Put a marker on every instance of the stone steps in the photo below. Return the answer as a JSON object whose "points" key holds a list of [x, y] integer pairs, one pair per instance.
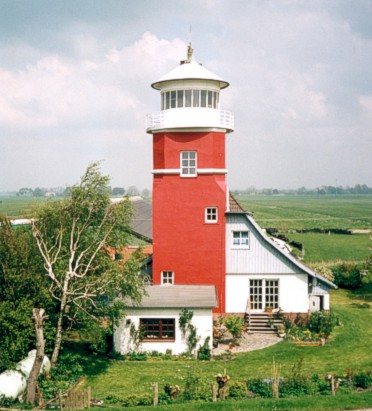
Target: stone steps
{"points": [[262, 323]]}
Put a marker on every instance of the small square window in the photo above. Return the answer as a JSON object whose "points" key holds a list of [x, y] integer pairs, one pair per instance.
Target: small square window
{"points": [[211, 215], [167, 277], [240, 239]]}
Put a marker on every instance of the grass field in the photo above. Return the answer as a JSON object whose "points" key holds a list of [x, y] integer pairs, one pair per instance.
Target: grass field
{"points": [[19, 207], [285, 213], [333, 247], [306, 212], [350, 348]]}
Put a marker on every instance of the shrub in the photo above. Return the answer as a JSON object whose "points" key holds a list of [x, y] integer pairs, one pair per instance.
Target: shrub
{"points": [[322, 322], [260, 387], [363, 380], [234, 324], [238, 390], [347, 275], [137, 356], [204, 352]]}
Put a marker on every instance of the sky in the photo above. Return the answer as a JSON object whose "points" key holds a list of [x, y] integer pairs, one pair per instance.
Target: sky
{"points": [[75, 87]]}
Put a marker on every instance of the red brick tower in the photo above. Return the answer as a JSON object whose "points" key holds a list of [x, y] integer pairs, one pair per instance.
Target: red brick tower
{"points": [[189, 184]]}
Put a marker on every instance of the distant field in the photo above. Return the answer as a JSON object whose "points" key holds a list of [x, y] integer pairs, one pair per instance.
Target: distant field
{"points": [[286, 213], [304, 212], [290, 213], [19, 207]]}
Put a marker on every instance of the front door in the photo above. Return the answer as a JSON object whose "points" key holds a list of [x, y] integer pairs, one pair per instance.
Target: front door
{"points": [[263, 294]]}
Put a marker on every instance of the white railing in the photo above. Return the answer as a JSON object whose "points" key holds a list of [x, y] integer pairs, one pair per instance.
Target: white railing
{"points": [[190, 118]]}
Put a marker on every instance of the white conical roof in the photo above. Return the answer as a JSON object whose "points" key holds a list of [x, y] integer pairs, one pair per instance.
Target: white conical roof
{"points": [[189, 70]]}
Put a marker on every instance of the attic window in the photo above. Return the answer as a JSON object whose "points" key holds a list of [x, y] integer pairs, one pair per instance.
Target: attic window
{"points": [[240, 239]]}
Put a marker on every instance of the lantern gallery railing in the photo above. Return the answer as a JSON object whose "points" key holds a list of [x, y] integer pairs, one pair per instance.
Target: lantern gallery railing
{"points": [[190, 118]]}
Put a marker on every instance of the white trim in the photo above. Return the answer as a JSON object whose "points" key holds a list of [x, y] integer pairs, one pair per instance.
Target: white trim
{"points": [[198, 171], [166, 171], [212, 171]]}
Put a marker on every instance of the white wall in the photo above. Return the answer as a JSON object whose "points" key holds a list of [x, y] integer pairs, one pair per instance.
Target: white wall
{"points": [[202, 320], [293, 291]]}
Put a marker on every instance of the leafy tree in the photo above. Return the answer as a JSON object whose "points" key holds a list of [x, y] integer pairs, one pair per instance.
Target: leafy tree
{"points": [[133, 191], [74, 237], [22, 287], [118, 191]]}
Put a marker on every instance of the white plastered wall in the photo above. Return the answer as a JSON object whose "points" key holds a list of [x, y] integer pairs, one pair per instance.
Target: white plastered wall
{"points": [[293, 291], [202, 320]]}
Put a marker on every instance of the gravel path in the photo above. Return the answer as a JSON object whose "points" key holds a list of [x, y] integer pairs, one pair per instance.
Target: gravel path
{"points": [[248, 342]]}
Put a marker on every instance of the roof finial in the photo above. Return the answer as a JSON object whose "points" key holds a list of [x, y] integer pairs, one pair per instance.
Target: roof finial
{"points": [[190, 51]]}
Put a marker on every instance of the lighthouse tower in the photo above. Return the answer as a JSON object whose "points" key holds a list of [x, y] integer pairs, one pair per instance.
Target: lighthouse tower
{"points": [[189, 178]]}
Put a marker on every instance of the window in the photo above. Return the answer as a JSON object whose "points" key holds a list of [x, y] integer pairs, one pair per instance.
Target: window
{"points": [[188, 163], [167, 277], [241, 239], [159, 329], [189, 98], [211, 215]]}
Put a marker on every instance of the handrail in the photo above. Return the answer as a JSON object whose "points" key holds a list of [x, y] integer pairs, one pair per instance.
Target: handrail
{"points": [[248, 312]]}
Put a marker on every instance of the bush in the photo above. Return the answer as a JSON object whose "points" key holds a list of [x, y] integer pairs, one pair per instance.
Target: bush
{"points": [[238, 390], [363, 380], [347, 275], [234, 324], [204, 352], [322, 322], [262, 388]]}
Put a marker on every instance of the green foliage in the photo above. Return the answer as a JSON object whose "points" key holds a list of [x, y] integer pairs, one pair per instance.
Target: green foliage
{"points": [[237, 390], [260, 387], [234, 324], [204, 352], [347, 275], [323, 323], [74, 237], [363, 380], [188, 330], [63, 375], [22, 288]]}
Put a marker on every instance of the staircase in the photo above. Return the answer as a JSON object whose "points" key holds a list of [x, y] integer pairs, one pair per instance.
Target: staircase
{"points": [[262, 323]]}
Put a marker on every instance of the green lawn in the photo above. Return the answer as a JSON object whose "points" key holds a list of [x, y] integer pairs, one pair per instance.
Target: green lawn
{"points": [[321, 403], [324, 247], [350, 348]]}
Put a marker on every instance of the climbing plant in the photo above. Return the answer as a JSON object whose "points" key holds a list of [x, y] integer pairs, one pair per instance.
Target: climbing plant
{"points": [[188, 330]]}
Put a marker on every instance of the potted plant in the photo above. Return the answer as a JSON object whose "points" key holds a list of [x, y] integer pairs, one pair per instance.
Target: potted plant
{"points": [[281, 331], [268, 309]]}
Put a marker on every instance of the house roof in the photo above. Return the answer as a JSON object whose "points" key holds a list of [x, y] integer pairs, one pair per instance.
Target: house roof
{"points": [[235, 207], [142, 218], [287, 256], [178, 296]]}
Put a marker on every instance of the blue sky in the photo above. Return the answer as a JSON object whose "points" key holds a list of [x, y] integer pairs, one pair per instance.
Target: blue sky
{"points": [[75, 87]]}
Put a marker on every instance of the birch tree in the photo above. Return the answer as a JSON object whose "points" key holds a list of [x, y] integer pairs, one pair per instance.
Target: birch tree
{"points": [[73, 237]]}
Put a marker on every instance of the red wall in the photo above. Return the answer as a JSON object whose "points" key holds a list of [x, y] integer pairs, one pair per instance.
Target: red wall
{"points": [[182, 241]]}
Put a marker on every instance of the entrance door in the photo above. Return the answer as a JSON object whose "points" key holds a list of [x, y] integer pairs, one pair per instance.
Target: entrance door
{"points": [[263, 293]]}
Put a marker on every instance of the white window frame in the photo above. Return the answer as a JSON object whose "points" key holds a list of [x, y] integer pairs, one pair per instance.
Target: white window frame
{"points": [[240, 242], [211, 215], [167, 278], [187, 168]]}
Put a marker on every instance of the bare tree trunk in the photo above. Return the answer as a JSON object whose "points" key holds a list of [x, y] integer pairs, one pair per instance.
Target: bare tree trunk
{"points": [[58, 340], [39, 317]]}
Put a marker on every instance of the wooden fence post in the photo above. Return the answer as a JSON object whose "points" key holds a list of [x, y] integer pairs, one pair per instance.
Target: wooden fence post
{"points": [[156, 393], [214, 393]]}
